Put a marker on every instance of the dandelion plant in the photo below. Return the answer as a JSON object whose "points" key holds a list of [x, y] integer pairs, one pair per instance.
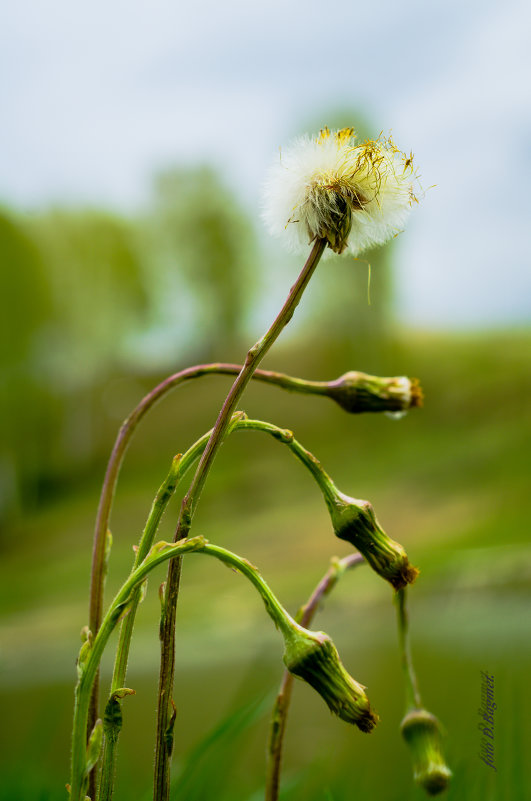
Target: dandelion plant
{"points": [[328, 194]]}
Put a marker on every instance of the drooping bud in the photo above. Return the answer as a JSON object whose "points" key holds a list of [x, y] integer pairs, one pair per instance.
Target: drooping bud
{"points": [[354, 521], [308, 654], [359, 392], [313, 657], [422, 733]]}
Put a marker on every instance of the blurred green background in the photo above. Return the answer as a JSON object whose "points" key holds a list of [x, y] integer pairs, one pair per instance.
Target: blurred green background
{"points": [[97, 308]]}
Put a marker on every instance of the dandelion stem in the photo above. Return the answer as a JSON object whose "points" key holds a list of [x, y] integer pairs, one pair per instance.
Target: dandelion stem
{"points": [[281, 706], [164, 737], [180, 465], [92, 651], [308, 459], [105, 789], [413, 699], [88, 668], [361, 394], [121, 444]]}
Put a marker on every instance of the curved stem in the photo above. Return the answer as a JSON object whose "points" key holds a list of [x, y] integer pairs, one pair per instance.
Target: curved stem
{"points": [[167, 664], [281, 706], [253, 359], [413, 699], [91, 653], [285, 436], [112, 728], [88, 668], [121, 444], [355, 392], [307, 612], [181, 464], [125, 435]]}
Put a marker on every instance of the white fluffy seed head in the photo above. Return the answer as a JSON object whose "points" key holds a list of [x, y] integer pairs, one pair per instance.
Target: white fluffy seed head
{"points": [[354, 195]]}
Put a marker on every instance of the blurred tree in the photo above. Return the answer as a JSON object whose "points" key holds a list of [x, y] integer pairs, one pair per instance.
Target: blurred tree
{"points": [[75, 293], [95, 277], [208, 240], [28, 414], [92, 296]]}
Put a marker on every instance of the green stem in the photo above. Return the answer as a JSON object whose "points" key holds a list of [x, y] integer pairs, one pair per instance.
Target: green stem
{"points": [[91, 654], [281, 706], [355, 392], [121, 444], [167, 662], [285, 436], [180, 465], [413, 699], [253, 359], [89, 667], [112, 728], [108, 764], [280, 617]]}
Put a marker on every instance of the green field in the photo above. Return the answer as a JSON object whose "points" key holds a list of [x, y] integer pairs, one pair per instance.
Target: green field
{"points": [[450, 482]]}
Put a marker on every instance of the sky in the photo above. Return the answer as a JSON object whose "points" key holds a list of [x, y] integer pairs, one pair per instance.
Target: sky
{"points": [[95, 98]]}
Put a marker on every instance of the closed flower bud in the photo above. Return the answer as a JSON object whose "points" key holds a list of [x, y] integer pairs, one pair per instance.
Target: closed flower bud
{"points": [[313, 657], [422, 733], [355, 522], [358, 392]]}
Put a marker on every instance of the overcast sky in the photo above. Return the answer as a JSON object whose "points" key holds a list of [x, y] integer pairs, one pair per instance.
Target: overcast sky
{"points": [[96, 97]]}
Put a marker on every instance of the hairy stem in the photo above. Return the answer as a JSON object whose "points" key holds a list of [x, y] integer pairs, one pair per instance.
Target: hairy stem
{"points": [[164, 737], [181, 464], [91, 652], [89, 661], [354, 392], [112, 727], [413, 699], [281, 706], [115, 462], [285, 436]]}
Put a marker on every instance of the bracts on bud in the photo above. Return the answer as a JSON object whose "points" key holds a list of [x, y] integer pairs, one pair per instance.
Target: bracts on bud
{"points": [[422, 732], [354, 521], [313, 657], [359, 392]]}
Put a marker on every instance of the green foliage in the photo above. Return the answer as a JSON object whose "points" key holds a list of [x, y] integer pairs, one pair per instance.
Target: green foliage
{"points": [[75, 294], [92, 295], [28, 411], [92, 268]]}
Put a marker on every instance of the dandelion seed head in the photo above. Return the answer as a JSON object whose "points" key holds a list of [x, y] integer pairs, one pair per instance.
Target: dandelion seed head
{"points": [[354, 195]]}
